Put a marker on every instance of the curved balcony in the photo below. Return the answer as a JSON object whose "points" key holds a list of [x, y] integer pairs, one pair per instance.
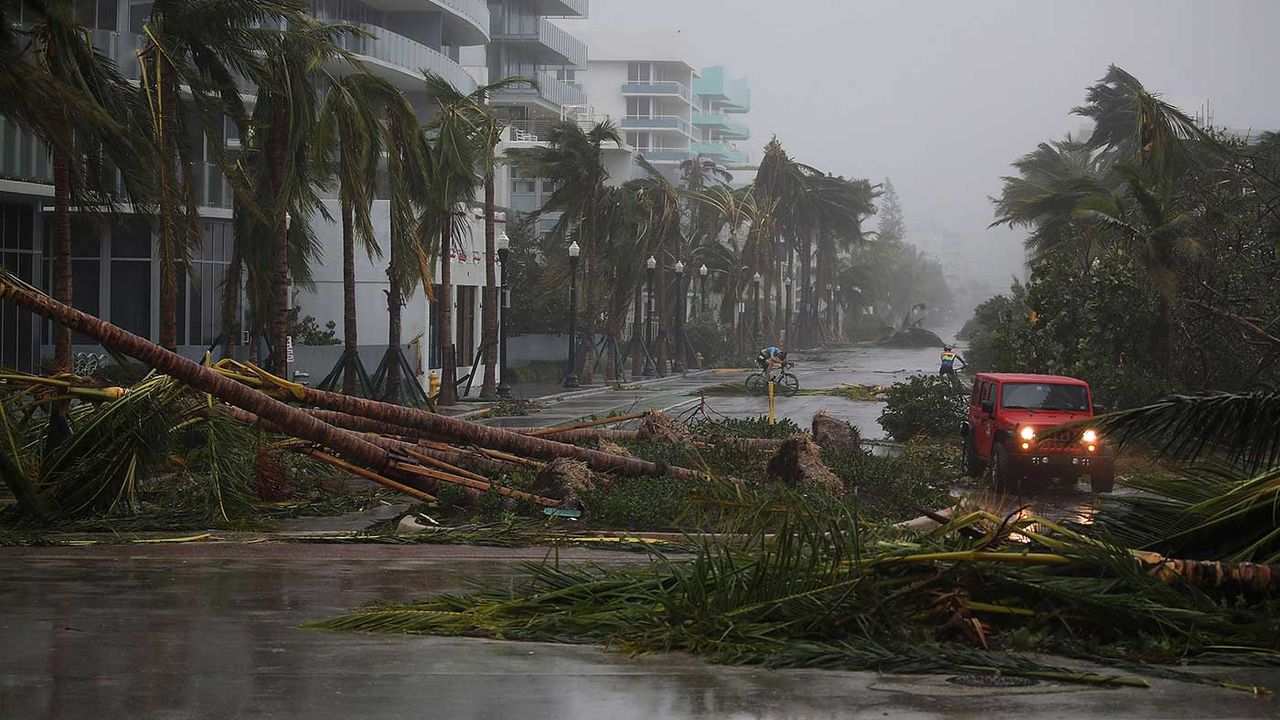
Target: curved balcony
{"points": [[658, 88], [466, 21], [665, 155], [552, 93], [657, 122], [405, 59], [548, 44]]}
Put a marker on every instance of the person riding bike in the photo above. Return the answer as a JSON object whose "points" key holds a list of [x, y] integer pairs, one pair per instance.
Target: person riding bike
{"points": [[771, 358]]}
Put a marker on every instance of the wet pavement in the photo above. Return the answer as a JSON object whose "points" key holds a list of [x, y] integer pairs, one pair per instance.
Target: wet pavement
{"points": [[212, 631]]}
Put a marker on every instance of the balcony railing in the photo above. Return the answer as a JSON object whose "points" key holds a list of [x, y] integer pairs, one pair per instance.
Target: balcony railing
{"points": [[410, 55], [719, 151], [568, 49], [657, 122], [566, 8], [730, 95], [22, 156], [476, 11], [667, 88], [665, 154], [552, 90]]}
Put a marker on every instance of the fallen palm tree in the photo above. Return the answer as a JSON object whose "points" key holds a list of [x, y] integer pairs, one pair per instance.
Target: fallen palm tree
{"points": [[814, 585]]}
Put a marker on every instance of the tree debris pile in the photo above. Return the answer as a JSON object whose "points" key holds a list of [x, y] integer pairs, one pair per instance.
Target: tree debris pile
{"points": [[813, 585], [798, 463]]}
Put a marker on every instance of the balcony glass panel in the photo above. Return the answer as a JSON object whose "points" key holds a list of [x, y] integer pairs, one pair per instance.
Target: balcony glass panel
{"points": [[658, 87]]}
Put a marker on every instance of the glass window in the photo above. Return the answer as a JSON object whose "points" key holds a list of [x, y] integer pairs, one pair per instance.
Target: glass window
{"points": [[85, 286], [131, 296], [1044, 396], [107, 14], [131, 238], [639, 72], [138, 14]]}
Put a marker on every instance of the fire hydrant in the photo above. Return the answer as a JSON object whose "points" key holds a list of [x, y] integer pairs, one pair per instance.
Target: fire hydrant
{"points": [[433, 384]]}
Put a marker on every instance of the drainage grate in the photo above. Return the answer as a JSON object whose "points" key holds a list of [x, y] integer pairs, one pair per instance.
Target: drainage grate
{"points": [[994, 681]]}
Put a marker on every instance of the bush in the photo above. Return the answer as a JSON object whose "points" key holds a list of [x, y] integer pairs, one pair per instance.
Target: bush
{"points": [[925, 405], [715, 341], [899, 486]]}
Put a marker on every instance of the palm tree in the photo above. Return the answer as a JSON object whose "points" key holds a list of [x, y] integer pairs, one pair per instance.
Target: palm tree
{"points": [[192, 53], [489, 134], [456, 139], [285, 119], [574, 160], [82, 128], [349, 144], [408, 164]]}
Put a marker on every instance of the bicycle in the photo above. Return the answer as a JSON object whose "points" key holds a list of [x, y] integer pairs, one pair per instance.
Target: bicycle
{"points": [[784, 383]]}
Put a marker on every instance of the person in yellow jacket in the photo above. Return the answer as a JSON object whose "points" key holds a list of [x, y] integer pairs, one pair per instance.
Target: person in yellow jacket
{"points": [[949, 359]]}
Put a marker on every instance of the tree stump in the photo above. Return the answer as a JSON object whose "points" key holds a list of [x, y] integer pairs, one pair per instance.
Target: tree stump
{"points": [[798, 463], [564, 479], [835, 435]]}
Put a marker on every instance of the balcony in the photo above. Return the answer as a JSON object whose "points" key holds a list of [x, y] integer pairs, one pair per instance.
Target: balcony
{"points": [[657, 122], [729, 129], [554, 94], [406, 56], [732, 96], [559, 8], [547, 44], [659, 88], [665, 155], [22, 156], [720, 152], [466, 22]]}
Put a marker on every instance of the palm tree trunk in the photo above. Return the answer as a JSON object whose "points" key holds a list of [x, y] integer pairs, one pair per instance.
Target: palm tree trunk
{"points": [[489, 389], [588, 343], [448, 360], [806, 293], [280, 252], [350, 332], [169, 209], [62, 248], [395, 304], [661, 351], [231, 303], [637, 336]]}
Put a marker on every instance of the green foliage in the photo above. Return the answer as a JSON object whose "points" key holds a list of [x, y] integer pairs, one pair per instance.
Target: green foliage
{"points": [[924, 406], [648, 503], [306, 331], [898, 485], [715, 341]]}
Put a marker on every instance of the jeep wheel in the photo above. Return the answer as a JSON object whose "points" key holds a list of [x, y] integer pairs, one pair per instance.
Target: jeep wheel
{"points": [[998, 471], [1103, 482], [973, 465]]}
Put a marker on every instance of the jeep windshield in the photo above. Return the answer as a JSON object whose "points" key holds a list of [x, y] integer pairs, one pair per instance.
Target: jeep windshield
{"points": [[1044, 396]]}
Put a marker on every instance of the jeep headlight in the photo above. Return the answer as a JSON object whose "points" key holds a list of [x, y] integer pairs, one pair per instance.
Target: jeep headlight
{"points": [[1027, 433], [1090, 436]]}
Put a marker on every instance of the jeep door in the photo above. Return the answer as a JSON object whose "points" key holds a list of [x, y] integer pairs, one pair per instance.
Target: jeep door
{"points": [[984, 424]]}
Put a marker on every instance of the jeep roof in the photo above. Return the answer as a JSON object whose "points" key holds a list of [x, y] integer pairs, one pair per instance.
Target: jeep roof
{"points": [[1031, 378]]}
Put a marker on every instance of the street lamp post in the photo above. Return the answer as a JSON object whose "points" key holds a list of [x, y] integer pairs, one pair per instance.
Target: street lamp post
{"points": [[756, 299], [702, 271], [649, 368], [571, 381], [503, 244], [680, 308]]}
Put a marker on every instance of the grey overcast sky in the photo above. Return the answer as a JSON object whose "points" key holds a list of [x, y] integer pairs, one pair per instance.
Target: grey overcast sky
{"points": [[941, 95]]}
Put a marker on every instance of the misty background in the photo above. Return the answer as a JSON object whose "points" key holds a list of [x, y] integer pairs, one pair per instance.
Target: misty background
{"points": [[941, 96]]}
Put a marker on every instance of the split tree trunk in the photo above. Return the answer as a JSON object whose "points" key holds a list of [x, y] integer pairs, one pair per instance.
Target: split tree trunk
{"points": [[489, 390]]}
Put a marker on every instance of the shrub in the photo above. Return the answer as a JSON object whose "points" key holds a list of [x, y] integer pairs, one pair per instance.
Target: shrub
{"points": [[925, 405], [901, 485]]}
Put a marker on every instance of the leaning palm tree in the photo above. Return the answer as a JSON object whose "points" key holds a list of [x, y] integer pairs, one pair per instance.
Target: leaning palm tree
{"points": [[488, 134], [574, 160], [456, 142], [349, 143], [408, 166], [82, 130], [192, 54]]}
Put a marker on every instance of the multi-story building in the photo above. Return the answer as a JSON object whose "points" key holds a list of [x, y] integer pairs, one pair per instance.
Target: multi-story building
{"points": [[115, 264], [668, 110], [718, 99]]}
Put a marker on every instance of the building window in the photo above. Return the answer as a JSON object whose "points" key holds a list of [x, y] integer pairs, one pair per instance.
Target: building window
{"points": [[639, 72], [464, 337], [639, 107], [640, 140]]}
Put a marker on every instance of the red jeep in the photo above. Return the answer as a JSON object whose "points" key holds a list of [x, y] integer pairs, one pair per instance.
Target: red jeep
{"points": [[1004, 432]]}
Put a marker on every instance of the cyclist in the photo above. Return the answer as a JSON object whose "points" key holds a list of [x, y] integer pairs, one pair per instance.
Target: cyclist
{"points": [[771, 358], [949, 359]]}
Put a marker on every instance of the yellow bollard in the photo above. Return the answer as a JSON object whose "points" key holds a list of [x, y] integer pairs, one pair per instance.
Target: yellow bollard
{"points": [[433, 384], [770, 402]]}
